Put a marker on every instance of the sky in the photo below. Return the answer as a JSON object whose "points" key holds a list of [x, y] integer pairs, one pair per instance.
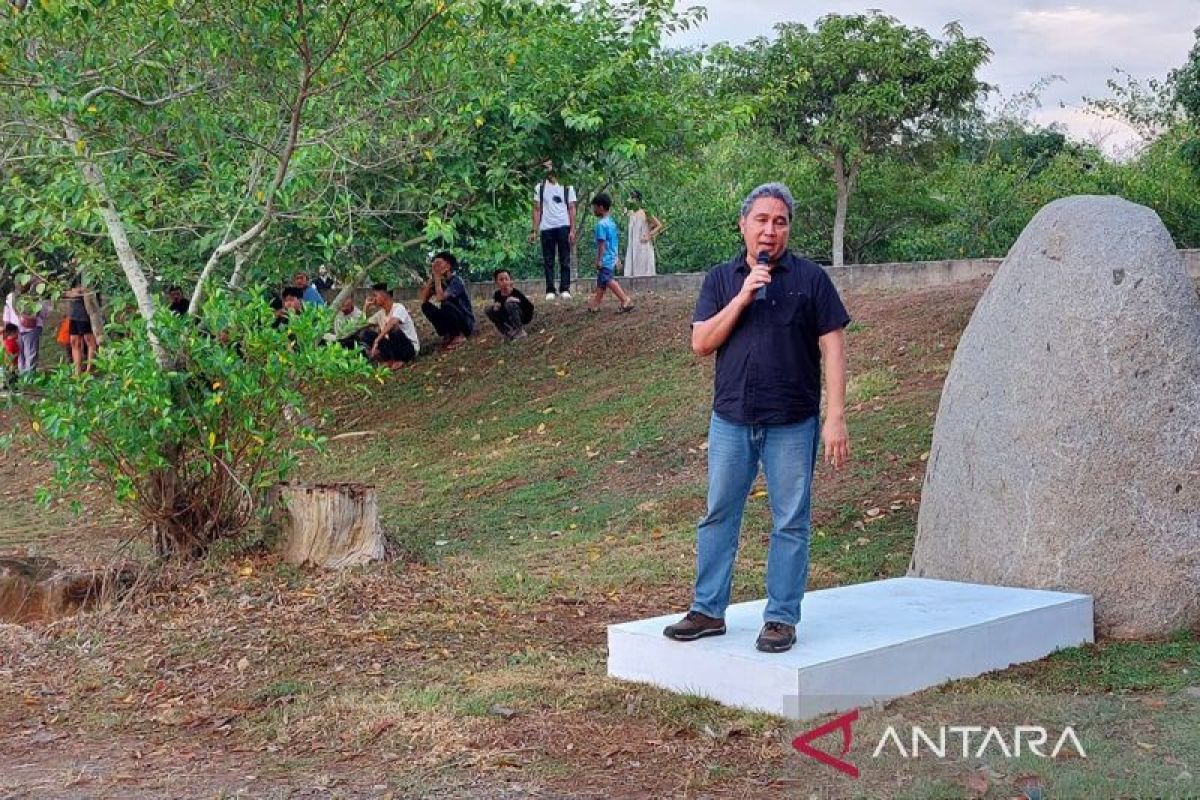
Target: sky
{"points": [[1079, 41]]}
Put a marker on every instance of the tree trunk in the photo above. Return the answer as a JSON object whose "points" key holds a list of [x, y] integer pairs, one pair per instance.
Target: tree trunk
{"points": [[95, 314], [331, 525], [240, 259], [844, 187], [36, 589], [349, 286], [126, 256]]}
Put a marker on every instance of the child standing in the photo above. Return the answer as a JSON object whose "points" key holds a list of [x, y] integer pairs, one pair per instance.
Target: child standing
{"points": [[10, 355], [510, 310], [606, 256]]}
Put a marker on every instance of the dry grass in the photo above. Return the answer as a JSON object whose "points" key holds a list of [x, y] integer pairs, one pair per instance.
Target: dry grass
{"points": [[537, 492]]}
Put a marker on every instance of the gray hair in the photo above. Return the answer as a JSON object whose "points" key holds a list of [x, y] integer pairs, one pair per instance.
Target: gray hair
{"points": [[775, 190]]}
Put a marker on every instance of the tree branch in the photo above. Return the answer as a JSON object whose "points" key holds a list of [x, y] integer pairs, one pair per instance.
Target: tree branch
{"points": [[390, 55], [141, 101], [281, 171], [349, 287]]}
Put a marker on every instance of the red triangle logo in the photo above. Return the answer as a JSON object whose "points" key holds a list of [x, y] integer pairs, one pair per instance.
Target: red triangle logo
{"points": [[842, 723]]}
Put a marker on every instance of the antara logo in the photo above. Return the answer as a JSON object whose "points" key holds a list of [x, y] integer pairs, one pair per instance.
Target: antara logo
{"points": [[842, 723], [974, 741]]}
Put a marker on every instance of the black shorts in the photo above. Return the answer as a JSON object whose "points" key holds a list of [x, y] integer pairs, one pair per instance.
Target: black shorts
{"points": [[80, 327]]}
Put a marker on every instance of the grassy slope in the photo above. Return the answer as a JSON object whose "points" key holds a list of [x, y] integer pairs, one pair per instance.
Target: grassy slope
{"points": [[537, 492]]}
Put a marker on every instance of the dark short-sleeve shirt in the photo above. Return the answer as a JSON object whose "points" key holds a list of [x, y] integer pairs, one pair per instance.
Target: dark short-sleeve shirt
{"points": [[769, 369], [526, 304], [458, 298], [78, 310]]}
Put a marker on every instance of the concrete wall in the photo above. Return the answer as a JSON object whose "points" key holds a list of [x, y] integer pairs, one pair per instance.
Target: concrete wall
{"points": [[900, 277], [855, 277]]}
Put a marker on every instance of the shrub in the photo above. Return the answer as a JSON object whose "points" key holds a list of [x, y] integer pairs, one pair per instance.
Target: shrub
{"points": [[193, 449]]}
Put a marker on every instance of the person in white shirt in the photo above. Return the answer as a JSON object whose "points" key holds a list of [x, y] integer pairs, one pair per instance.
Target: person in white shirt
{"points": [[396, 343], [554, 221], [29, 316], [348, 319]]}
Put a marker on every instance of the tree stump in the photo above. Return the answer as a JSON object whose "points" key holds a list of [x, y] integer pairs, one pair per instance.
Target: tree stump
{"points": [[36, 589], [331, 525]]}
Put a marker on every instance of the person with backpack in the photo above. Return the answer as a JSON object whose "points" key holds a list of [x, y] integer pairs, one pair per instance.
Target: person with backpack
{"points": [[554, 222]]}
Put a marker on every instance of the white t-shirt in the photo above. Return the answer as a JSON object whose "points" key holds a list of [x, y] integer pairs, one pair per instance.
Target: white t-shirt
{"points": [[406, 323], [554, 210], [346, 324]]}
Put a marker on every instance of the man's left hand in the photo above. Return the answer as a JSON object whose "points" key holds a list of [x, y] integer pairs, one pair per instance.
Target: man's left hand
{"points": [[571, 236], [836, 439]]}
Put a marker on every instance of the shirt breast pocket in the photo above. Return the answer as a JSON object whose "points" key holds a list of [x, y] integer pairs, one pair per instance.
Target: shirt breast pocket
{"points": [[788, 308]]}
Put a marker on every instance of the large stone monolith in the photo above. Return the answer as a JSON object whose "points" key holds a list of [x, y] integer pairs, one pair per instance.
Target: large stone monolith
{"points": [[1066, 452]]}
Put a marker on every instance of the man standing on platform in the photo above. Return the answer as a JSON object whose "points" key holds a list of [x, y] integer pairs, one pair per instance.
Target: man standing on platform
{"points": [[773, 319]]}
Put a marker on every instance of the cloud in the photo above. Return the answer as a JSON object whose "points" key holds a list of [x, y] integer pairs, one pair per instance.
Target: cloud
{"points": [[1112, 136], [1095, 34], [1080, 40]]}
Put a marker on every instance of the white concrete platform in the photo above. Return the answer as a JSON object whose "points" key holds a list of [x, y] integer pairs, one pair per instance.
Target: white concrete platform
{"points": [[856, 644]]}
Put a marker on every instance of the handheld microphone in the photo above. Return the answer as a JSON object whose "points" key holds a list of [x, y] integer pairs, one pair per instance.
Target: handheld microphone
{"points": [[764, 258]]}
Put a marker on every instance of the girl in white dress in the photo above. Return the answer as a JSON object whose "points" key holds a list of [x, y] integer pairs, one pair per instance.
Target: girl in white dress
{"points": [[639, 250]]}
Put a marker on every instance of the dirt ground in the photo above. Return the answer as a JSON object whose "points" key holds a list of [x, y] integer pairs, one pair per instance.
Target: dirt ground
{"points": [[480, 673]]}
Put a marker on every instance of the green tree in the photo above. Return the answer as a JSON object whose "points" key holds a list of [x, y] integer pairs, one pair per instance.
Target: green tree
{"points": [[1186, 81], [159, 125], [859, 85]]}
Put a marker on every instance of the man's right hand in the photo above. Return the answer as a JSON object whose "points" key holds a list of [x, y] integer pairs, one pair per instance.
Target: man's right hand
{"points": [[532, 237], [760, 275]]}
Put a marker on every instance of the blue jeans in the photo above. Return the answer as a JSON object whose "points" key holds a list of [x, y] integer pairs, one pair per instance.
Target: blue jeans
{"points": [[788, 454]]}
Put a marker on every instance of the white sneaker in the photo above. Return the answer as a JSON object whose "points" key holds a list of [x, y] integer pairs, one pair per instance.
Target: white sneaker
{"points": [[565, 296], [551, 296]]}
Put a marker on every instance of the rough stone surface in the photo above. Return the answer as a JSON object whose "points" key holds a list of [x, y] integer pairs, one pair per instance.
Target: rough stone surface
{"points": [[1066, 452]]}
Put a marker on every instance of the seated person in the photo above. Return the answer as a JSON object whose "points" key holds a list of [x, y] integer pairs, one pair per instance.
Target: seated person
{"points": [[176, 301], [392, 340], [293, 303], [325, 281], [348, 321], [510, 310], [446, 302], [307, 291]]}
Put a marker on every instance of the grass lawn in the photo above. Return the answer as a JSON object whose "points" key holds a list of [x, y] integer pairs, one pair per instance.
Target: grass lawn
{"points": [[535, 493]]}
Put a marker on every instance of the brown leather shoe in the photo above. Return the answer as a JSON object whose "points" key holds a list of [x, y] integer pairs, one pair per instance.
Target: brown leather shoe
{"points": [[694, 626], [776, 637]]}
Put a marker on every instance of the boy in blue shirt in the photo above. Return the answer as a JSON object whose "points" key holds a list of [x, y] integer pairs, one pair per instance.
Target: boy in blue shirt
{"points": [[606, 256]]}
